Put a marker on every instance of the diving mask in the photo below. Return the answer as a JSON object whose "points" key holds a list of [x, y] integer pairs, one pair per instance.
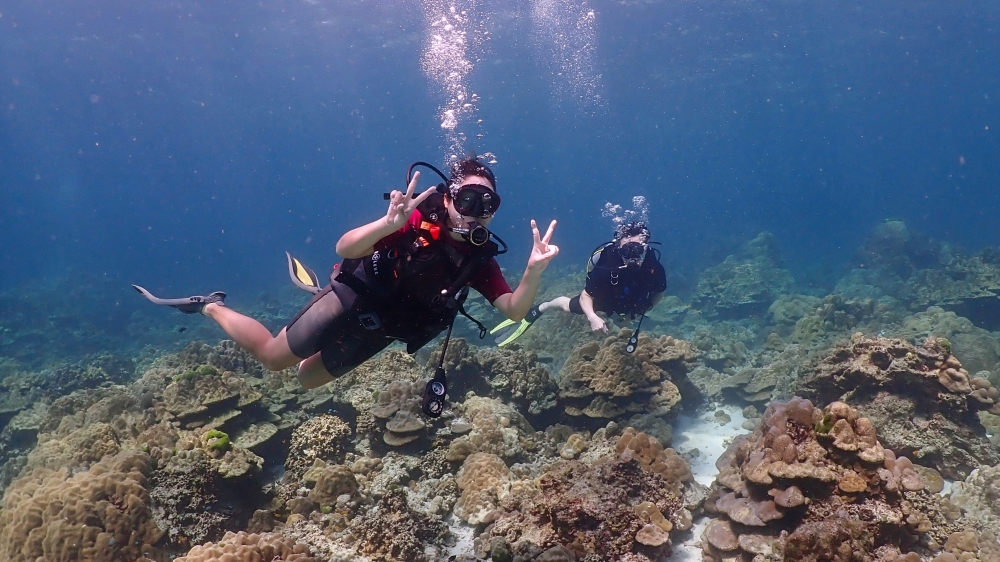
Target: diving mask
{"points": [[475, 200], [633, 253]]}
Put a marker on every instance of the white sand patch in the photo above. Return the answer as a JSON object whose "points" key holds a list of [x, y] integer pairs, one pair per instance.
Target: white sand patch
{"points": [[463, 533], [702, 440], [709, 437], [687, 546]]}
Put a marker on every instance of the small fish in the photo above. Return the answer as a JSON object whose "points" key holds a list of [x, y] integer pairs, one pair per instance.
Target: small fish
{"points": [[182, 329]]}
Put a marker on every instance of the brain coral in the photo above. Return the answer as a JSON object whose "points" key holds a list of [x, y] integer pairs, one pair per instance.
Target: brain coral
{"points": [[922, 400], [101, 514], [602, 380], [243, 547]]}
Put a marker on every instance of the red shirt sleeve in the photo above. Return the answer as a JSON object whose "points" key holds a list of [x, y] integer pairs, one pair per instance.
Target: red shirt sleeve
{"points": [[490, 282]]}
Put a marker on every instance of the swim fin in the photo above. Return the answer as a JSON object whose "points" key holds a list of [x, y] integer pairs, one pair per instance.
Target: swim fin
{"points": [[303, 277], [187, 305], [508, 330]]}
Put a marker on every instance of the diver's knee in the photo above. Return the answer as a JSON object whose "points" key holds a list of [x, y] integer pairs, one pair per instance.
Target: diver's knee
{"points": [[313, 376]]}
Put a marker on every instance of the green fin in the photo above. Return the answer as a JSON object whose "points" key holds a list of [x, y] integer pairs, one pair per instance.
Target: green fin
{"points": [[509, 330], [303, 277]]}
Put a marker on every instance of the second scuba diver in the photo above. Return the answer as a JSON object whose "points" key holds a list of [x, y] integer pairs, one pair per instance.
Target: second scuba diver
{"points": [[624, 277], [404, 277]]}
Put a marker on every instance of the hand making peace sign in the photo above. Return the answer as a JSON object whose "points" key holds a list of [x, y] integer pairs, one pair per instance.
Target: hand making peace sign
{"points": [[401, 205], [542, 252]]}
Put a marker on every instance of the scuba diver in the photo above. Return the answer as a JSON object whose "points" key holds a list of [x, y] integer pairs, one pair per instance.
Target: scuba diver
{"points": [[624, 276], [404, 277]]}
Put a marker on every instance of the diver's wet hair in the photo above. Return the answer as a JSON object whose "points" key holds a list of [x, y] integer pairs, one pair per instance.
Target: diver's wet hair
{"points": [[471, 165], [630, 229]]}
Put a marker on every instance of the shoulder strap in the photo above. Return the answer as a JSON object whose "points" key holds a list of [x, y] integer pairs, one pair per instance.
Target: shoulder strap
{"points": [[595, 256]]}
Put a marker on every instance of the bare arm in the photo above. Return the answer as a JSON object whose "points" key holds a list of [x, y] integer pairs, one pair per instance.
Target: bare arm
{"points": [[360, 241], [516, 305], [587, 305]]}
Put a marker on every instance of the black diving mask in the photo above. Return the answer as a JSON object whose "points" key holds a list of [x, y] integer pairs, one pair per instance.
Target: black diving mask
{"points": [[633, 253], [476, 234], [475, 200]]}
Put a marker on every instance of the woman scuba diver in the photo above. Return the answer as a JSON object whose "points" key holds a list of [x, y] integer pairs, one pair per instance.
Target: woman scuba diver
{"points": [[404, 277], [624, 276]]}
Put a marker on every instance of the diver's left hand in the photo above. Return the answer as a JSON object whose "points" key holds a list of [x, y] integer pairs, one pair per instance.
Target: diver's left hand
{"points": [[542, 252]]}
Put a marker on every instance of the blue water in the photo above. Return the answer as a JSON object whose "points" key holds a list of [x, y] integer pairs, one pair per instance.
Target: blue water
{"points": [[186, 145]]}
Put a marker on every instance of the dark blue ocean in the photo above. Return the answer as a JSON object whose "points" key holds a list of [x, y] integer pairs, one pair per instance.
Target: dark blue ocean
{"points": [[186, 145]]}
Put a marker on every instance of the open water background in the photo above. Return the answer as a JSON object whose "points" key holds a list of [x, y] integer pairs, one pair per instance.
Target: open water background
{"points": [[185, 145]]}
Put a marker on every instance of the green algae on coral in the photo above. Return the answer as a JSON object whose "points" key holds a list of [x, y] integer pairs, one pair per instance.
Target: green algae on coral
{"points": [[217, 440]]}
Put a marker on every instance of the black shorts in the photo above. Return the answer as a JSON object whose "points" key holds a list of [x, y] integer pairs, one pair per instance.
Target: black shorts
{"points": [[329, 326]]}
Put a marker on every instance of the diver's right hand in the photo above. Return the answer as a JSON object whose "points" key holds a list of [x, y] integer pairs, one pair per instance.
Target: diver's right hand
{"points": [[402, 205], [597, 324]]}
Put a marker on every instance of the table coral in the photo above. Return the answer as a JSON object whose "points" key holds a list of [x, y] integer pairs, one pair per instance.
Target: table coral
{"points": [[921, 398]]}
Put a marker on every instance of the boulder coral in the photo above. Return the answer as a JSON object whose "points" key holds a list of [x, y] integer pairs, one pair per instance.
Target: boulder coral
{"points": [[921, 398], [100, 514], [244, 547], [601, 380]]}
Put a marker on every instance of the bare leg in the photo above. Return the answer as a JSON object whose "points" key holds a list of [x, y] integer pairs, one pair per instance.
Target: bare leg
{"points": [[562, 303], [252, 336], [312, 373]]}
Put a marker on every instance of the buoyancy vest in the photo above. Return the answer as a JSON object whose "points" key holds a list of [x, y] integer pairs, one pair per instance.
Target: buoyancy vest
{"points": [[417, 285], [626, 289]]}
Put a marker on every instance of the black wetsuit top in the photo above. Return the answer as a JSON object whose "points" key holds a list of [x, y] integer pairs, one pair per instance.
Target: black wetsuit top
{"points": [[625, 290]]}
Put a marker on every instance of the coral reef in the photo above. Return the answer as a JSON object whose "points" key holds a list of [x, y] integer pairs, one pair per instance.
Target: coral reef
{"points": [[922, 399], [978, 495], [243, 547], [615, 508], [603, 381], [514, 374], [392, 531], [745, 284], [977, 349], [811, 484], [100, 514]]}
